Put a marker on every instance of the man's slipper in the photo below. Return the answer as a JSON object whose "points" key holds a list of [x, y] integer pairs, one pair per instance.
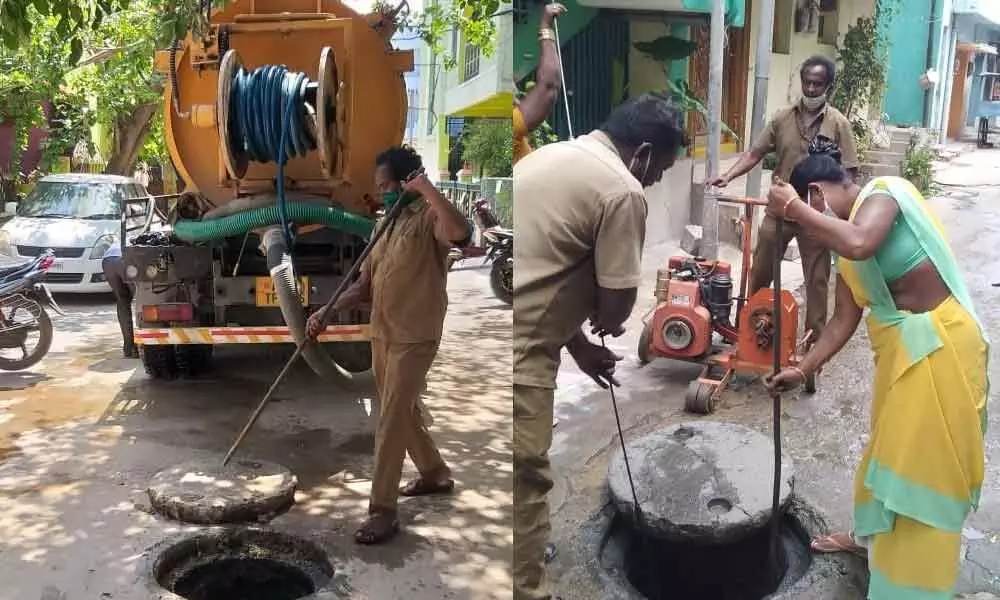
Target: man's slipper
{"points": [[426, 487]]}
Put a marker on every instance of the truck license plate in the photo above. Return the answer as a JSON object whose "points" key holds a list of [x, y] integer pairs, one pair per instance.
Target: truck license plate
{"points": [[266, 296]]}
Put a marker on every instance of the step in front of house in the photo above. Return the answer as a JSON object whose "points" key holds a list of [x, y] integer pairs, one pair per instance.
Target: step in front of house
{"points": [[880, 170], [884, 157]]}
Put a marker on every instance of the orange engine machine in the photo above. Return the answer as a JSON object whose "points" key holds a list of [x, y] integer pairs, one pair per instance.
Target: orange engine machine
{"points": [[693, 321]]}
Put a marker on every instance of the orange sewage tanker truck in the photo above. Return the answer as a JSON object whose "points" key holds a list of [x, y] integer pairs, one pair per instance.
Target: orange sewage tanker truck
{"points": [[274, 114]]}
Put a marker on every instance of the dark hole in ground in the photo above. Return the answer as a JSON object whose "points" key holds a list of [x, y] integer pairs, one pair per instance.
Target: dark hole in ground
{"points": [[244, 579], [663, 570]]}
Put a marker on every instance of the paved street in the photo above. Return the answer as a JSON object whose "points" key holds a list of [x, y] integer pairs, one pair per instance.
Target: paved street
{"points": [[823, 433], [82, 433]]}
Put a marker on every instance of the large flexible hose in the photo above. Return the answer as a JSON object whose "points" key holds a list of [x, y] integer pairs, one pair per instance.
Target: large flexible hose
{"points": [[240, 223], [279, 262]]}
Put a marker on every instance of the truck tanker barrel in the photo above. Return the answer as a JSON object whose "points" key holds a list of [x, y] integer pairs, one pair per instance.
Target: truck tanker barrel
{"points": [[274, 114]]}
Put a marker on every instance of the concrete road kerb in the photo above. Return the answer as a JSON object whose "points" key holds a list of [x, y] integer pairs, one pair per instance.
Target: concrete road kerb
{"points": [[204, 492]]}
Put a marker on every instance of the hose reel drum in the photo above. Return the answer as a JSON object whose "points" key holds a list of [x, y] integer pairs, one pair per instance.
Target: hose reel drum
{"points": [[319, 111]]}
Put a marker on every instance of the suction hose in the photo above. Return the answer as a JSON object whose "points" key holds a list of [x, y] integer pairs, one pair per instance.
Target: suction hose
{"points": [[279, 262], [238, 224]]}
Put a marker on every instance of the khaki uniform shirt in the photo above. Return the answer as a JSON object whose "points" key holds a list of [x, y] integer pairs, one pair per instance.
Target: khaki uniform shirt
{"points": [[789, 132], [581, 223], [409, 279]]}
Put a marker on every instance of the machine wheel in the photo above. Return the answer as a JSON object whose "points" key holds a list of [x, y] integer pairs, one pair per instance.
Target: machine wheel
{"points": [[698, 398], [159, 361], [644, 339], [192, 360], [354, 357]]}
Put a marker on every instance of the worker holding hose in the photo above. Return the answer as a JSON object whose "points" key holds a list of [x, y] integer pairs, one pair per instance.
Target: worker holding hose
{"points": [[405, 280], [789, 134], [531, 111], [579, 256]]}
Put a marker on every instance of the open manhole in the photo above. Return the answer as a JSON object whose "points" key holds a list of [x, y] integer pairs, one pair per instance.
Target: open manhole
{"points": [[705, 490], [662, 569], [242, 563]]}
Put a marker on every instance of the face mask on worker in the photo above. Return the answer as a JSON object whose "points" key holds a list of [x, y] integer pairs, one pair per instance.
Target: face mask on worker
{"points": [[633, 164], [814, 103]]}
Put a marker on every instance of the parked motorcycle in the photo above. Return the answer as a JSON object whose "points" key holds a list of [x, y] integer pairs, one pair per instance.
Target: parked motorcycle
{"points": [[484, 219], [23, 298], [501, 252]]}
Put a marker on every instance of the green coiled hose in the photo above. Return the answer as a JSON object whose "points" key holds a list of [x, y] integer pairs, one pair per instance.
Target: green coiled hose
{"points": [[240, 223]]}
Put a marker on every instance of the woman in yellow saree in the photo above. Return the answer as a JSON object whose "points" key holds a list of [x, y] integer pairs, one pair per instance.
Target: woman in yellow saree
{"points": [[922, 469]]}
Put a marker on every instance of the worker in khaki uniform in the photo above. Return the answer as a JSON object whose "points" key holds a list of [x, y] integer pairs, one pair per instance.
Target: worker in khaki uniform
{"points": [[788, 134], [580, 220], [405, 280], [531, 111]]}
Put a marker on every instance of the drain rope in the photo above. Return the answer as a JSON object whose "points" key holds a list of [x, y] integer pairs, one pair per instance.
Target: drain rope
{"points": [[777, 568], [640, 521]]}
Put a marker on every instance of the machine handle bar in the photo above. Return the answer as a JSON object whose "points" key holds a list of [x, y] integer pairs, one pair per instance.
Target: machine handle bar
{"points": [[737, 200]]}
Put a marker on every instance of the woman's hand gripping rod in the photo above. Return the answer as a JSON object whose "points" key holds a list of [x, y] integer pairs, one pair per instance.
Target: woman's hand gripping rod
{"points": [[390, 218]]}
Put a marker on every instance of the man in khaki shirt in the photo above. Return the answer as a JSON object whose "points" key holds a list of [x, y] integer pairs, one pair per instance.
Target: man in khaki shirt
{"points": [[405, 279], [788, 134], [580, 218]]}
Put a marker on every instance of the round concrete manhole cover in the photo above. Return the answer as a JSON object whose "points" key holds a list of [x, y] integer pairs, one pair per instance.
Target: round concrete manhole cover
{"points": [[700, 481], [205, 492]]}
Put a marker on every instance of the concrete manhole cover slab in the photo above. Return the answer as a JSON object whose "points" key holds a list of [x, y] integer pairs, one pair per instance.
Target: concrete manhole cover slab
{"points": [[700, 481], [205, 492]]}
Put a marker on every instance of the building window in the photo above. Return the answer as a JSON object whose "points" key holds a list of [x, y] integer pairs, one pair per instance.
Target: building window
{"points": [[829, 22], [412, 114], [781, 38], [471, 62]]}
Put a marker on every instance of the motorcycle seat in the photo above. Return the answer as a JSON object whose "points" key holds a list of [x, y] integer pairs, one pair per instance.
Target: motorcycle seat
{"points": [[8, 270]]}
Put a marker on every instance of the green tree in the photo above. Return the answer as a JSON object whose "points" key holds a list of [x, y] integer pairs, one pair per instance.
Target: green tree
{"points": [[486, 143]]}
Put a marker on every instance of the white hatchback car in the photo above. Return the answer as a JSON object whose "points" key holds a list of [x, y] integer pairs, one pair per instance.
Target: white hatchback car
{"points": [[79, 216]]}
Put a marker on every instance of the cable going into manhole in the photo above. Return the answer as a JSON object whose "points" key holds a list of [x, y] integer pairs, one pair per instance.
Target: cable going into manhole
{"points": [[640, 521], [775, 540]]}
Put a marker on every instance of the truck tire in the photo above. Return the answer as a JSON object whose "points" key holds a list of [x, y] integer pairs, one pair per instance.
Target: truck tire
{"points": [[192, 360], [159, 361], [355, 357]]}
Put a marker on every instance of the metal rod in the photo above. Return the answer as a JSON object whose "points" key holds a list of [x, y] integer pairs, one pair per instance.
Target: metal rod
{"points": [[390, 218], [762, 73], [562, 76], [710, 210], [775, 534]]}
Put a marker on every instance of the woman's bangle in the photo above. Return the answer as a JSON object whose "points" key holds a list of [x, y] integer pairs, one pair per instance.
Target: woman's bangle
{"points": [[546, 34], [801, 373], [784, 209]]}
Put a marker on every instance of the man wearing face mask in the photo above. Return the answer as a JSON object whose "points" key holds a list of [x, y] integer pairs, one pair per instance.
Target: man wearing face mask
{"points": [[580, 220], [788, 134], [405, 279]]}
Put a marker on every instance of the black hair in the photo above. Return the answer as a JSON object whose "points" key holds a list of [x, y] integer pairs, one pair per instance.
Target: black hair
{"points": [[818, 60], [401, 161], [651, 117], [822, 164]]}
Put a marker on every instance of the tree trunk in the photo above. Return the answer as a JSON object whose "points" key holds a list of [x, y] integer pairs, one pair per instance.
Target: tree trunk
{"points": [[130, 134]]}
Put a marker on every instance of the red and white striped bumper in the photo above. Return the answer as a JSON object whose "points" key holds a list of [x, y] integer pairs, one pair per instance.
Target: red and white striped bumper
{"points": [[244, 335]]}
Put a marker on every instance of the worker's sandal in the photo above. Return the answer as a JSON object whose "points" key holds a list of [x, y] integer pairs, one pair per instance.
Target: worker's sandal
{"points": [[838, 542], [377, 528], [426, 487]]}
